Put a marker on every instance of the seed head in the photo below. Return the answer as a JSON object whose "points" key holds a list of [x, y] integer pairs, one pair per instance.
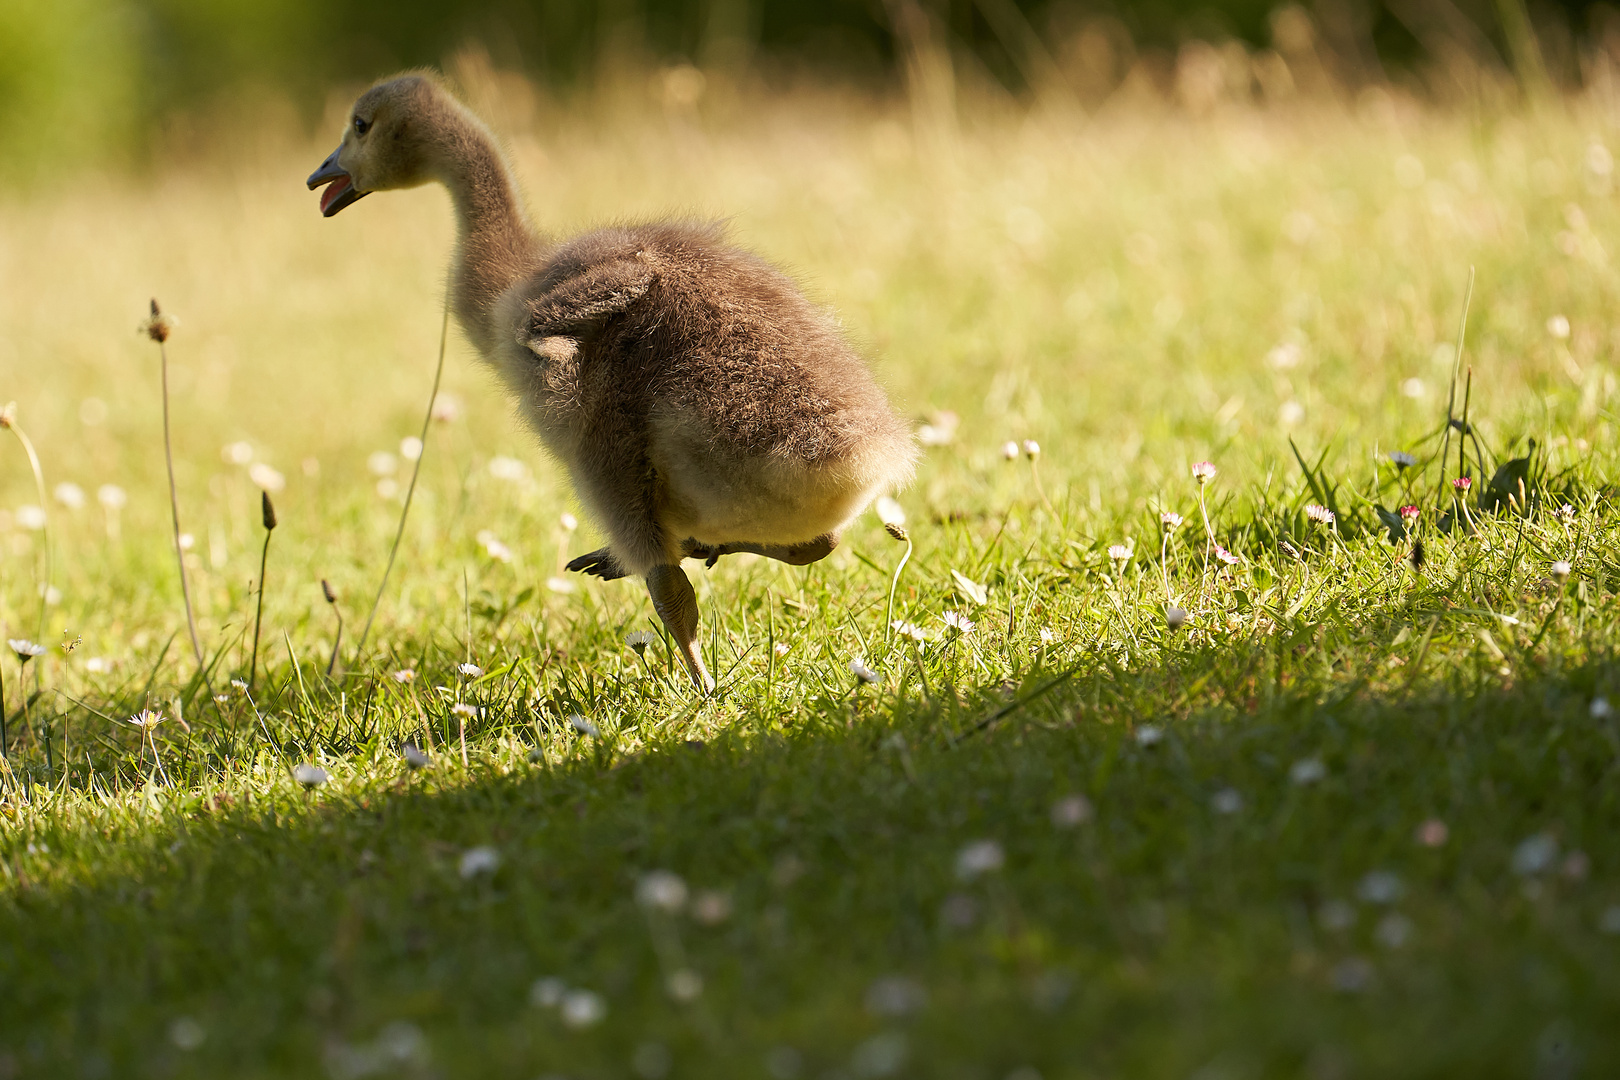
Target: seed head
{"points": [[897, 531], [159, 326], [326, 591], [268, 510], [1417, 556], [1204, 472]]}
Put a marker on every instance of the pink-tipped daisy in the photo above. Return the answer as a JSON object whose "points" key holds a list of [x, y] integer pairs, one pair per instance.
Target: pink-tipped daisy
{"points": [[1204, 471]]}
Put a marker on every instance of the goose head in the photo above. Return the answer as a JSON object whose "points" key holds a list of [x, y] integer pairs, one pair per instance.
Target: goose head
{"points": [[391, 141]]}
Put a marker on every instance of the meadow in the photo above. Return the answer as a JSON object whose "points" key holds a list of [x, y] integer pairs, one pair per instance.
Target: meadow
{"points": [[1124, 773]]}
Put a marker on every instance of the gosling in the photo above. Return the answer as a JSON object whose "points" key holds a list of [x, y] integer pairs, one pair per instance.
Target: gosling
{"points": [[700, 404]]}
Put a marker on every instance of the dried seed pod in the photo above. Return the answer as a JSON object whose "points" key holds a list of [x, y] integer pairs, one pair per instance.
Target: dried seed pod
{"points": [[326, 591], [268, 508]]}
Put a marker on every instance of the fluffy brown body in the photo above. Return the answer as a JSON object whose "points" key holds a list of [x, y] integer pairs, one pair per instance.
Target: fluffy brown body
{"points": [[701, 405]]}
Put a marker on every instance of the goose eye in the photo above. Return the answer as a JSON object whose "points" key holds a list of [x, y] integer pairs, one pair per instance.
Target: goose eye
{"points": [[361, 126]]}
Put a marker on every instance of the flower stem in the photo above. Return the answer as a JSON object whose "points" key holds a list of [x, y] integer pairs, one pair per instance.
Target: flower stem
{"points": [[45, 532], [258, 612], [894, 583], [410, 492]]}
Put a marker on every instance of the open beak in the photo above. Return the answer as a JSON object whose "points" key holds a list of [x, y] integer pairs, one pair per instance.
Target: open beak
{"points": [[340, 191]]}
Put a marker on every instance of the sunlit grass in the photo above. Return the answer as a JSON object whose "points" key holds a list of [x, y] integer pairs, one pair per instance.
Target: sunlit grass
{"points": [[1123, 810]]}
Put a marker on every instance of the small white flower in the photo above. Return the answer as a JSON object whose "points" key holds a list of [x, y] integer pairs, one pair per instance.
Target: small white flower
{"points": [[584, 726], [31, 517], [1071, 811], [1047, 637], [111, 496], [507, 468], [889, 511], [662, 890], [979, 857], [561, 586], [909, 630], [497, 550], [581, 1008], [446, 408], [1319, 514], [1560, 570], [186, 1033], [547, 992], [1535, 855], [147, 719], [858, 668], [404, 675], [1226, 556], [959, 622], [97, 665], [1170, 520], [70, 495], [237, 453], [461, 708], [478, 860], [310, 775], [382, 463], [1204, 472], [1175, 617], [1009, 450], [684, 985], [1558, 327], [1394, 930], [1600, 708], [568, 521], [711, 907], [266, 477], [1401, 459], [239, 685], [1226, 801], [1032, 449], [26, 650], [1120, 553], [410, 448], [471, 671], [1380, 887], [187, 541], [639, 640], [414, 757], [1307, 771], [1149, 735]]}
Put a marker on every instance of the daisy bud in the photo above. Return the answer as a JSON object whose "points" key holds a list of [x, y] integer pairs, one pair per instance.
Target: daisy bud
{"points": [[268, 509], [326, 591], [1032, 449], [1009, 450]]}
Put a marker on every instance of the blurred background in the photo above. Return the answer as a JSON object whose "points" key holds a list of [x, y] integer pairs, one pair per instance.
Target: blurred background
{"points": [[92, 82]]}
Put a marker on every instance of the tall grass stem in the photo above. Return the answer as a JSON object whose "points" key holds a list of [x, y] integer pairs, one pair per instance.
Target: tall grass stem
{"points": [[410, 492]]}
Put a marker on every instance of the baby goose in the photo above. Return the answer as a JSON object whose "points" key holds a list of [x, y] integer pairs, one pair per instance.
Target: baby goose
{"points": [[700, 404]]}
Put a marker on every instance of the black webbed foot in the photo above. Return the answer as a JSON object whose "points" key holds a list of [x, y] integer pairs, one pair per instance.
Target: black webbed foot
{"points": [[599, 563]]}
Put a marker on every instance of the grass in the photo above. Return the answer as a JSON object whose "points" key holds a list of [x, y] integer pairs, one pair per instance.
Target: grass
{"points": [[1351, 819]]}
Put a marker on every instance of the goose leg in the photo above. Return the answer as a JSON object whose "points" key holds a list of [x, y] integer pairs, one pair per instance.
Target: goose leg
{"points": [[793, 554], [676, 604]]}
